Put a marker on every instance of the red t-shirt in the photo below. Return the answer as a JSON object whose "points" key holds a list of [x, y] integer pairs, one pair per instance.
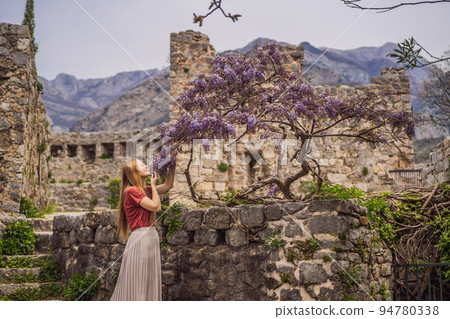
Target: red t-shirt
{"points": [[137, 216]]}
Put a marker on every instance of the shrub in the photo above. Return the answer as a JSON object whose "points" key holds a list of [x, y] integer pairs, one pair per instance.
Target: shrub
{"points": [[28, 209], [49, 271], [79, 182], [114, 188], [18, 239], [105, 156], [223, 167], [81, 287], [95, 201], [274, 241], [365, 171]]}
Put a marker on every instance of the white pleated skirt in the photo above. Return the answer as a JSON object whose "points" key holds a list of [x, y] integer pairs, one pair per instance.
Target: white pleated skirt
{"points": [[140, 270]]}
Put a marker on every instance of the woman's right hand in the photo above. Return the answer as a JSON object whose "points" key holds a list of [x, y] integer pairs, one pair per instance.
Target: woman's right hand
{"points": [[154, 179]]}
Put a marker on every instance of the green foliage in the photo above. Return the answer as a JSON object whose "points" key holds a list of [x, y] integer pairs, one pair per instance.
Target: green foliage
{"points": [[41, 148], [350, 275], [114, 188], [18, 239], [45, 291], [306, 187], [285, 278], [50, 174], [49, 158], [28, 209], [52, 181], [339, 192], [223, 167], [377, 212], [80, 287], [343, 236], [95, 201], [79, 182], [365, 171], [69, 167], [173, 224], [313, 244], [348, 297], [63, 181], [229, 196], [28, 20], [105, 156], [40, 88], [291, 255], [49, 271], [337, 248], [362, 251], [274, 241], [326, 258]]}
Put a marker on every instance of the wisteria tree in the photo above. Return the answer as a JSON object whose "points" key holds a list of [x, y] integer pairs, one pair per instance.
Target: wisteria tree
{"points": [[256, 91]]}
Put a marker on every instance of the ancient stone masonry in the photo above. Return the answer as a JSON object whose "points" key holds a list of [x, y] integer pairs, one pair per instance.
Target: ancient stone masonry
{"points": [[88, 156], [438, 169], [342, 160], [237, 254], [24, 129], [92, 159]]}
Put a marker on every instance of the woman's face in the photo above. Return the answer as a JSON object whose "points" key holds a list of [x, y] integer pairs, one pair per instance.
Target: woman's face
{"points": [[142, 168]]}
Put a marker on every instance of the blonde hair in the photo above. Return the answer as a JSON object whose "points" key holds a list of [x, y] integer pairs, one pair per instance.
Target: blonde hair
{"points": [[130, 178]]}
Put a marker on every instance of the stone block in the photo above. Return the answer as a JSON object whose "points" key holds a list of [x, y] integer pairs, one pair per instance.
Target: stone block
{"points": [[325, 223], [312, 273], [235, 237], [209, 237], [85, 235], [105, 235], [192, 219], [66, 223], [293, 230], [217, 218], [180, 237], [293, 207], [251, 216], [273, 212], [290, 295]]}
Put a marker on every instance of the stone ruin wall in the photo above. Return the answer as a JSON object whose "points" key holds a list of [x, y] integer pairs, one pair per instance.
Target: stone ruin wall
{"points": [[220, 253], [341, 160], [437, 170], [95, 158], [23, 123]]}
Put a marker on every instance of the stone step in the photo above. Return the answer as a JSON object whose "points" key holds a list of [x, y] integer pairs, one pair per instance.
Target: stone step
{"points": [[35, 256], [41, 224], [43, 242], [7, 274], [6, 289]]}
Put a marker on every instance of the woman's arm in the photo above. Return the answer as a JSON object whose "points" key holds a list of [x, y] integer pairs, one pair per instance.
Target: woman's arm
{"points": [[168, 184], [154, 204]]}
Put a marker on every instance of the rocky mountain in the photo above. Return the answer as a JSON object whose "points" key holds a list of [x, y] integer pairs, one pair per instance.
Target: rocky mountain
{"points": [[145, 105], [130, 100], [67, 98]]}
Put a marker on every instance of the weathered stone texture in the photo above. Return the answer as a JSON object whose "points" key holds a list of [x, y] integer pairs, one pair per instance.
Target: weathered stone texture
{"points": [[219, 258], [24, 126]]}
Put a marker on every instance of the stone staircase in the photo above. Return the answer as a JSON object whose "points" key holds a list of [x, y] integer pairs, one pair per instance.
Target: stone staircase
{"points": [[29, 288]]}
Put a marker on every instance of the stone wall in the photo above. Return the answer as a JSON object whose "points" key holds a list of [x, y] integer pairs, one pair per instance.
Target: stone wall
{"points": [[221, 254], [24, 127], [438, 167], [88, 156], [75, 197]]}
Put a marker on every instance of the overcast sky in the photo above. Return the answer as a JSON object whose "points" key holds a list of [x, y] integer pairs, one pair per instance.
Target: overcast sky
{"points": [[70, 42]]}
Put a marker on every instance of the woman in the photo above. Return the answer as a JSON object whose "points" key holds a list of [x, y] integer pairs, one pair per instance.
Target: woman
{"points": [[140, 270]]}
